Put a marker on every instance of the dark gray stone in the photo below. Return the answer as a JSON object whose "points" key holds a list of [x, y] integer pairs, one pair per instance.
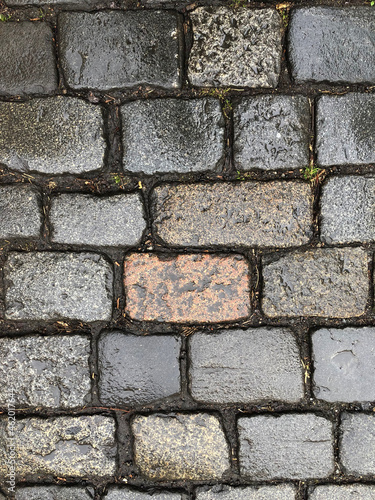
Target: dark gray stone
{"points": [[52, 136], [220, 492], [20, 212], [172, 135], [113, 49], [235, 47], [52, 285], [298, 446], [357, 445], [343, 492], [127, 494], [52, 493], [333, 44]]}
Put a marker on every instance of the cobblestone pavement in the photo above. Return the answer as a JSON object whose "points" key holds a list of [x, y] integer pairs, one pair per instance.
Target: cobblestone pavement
{"points": [[187, 230]]}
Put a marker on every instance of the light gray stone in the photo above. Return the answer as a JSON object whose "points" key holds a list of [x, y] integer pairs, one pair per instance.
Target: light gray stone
{"points": [[127, 494], [20, 212], [357, 445], [343, 492], [220, 492], [52, 493]]}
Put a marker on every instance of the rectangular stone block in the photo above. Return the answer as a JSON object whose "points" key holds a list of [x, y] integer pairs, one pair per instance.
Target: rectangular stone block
{"points": [[52, 493], [20, 212], [357, 444], [343, 492], [128, 494], [186, 288], [222, 492]]}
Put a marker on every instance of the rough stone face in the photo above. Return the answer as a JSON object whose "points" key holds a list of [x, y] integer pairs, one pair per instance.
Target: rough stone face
{"points": [[271, 132], [220, 492], [332, 44], [180, 446], [245, 366], [127, 494], [189, 288], [343, 492], [27, 60], [51, 136], [172, 135], [320, 282], [52, 285], [82, 219], [52, 493], [109, 50], [357, 446], [239, 47], [275, 214], [291, 446], [138, 369]]}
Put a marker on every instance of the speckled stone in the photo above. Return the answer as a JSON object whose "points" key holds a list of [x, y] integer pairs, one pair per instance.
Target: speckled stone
{"points": [[321, 282], [189, 288], [343, 492], [172, 135], [274, 214], [180, 446], [357, 444], [235, 47], [127, 494], [52, 493], [221, 492], [52, 136], [292, 446]]}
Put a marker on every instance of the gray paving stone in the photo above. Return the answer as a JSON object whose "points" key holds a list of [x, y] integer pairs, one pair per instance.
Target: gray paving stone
{"points": [[81, 219], [127, 494], [20, 212], [53, 285], [271, 132], [219, 492], [332, 44], [298, 446], [240, 47], [172, 135], [343, 492], [180, 446], [321, 282], [245, 366], [27, 60], [346, 129], [357, 445], [52, 136], [52, 493], [275, 214], [111, 49]]}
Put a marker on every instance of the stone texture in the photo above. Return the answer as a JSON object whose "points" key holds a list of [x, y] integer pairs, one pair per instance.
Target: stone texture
{"points": [[245, 366], [220, 492], [320, 282], [27, 60], [357, 445], [108, 50], [52, 493], [52, 136], [138, 369], [332, 44], [180, 446], [274, 214], [172, 135], [343, 492], [271, 132], [235, 47], [127, 494], [53, 285], [81, 219], [293, 446], [186, 288]]}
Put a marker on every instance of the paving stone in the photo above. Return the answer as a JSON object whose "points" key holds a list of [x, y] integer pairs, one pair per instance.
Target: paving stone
{"points": [[321, 282], [343, 492], [275, 214], [271, 132], [111, 49], [51, 372], [186, 288], [127, 494], [240, 47], [357, 445], [53, 285], [332, 44], [138, 370], [220, 492], [298, 446], [180, 446], [27, 60], [172, 135], [81, 219], [245, 366], [52, 493], [345, 129], [68, 137]]}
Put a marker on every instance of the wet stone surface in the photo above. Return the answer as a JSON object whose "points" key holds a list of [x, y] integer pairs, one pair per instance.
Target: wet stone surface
{"points": [[127, 494], [357, 445], [221, 492], [344, 492], [52, 493]]}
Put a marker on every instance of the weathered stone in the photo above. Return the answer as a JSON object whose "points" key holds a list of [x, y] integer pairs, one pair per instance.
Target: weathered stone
{"points": [[320, 282], [245, 366], [346, 129], [239, 47], [275, 214], [186, 288], [27, 60], [298, 446], [82, 219], [333, 44], [20, 212], [357, 445], [112, 49], [127, 494], [180, 446], [52, 285], [220, 492], [271, 132], [172, 135], [52, 493], [343, 492], [51, 136], [138, 369]]}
